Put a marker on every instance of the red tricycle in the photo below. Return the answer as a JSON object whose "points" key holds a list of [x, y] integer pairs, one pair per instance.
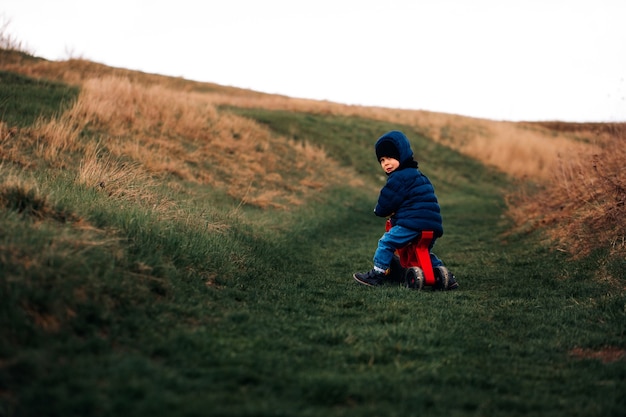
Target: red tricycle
{"points": [[412, 265]]}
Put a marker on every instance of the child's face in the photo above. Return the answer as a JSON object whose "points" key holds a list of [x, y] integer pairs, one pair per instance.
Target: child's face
{"points": [[389, 164]]}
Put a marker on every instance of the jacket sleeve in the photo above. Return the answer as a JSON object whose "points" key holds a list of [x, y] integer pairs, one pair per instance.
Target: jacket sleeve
{"points": [[390, 199]]}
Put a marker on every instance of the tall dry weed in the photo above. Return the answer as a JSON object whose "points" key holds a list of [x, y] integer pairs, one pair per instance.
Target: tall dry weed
{"points": [[48, 139], [118, 179], [7, 40], [583, 205], [55, 137]]}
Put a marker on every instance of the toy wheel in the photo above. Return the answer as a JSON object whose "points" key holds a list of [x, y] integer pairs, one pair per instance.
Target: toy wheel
{"points": [[414, 278], [443, 277]]}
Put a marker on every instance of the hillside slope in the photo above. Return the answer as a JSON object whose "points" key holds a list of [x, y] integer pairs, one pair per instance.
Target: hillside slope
{"points": [[550, 154], [520, 149], [172, 248]]}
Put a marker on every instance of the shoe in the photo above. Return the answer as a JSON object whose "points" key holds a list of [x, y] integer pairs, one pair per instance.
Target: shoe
{"points": [[372, 278], [452, 284], [445, 280]]}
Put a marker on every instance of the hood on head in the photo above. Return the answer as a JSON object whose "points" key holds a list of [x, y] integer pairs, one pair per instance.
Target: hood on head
{"points": [[399, 141]]}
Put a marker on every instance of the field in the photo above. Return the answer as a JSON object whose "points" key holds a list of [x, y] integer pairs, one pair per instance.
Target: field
{"points": [[176, 248]]}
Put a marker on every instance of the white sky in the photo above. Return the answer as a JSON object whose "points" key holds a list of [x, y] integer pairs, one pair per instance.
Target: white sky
{"points": [[496, 59]]}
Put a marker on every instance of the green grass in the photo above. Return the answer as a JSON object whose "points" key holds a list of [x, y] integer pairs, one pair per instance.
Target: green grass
{"points": [[23, 99], [141, 316]]}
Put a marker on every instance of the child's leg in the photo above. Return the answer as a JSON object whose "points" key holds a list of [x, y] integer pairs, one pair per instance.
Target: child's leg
{"points": [[397, 237], [433, 258]]}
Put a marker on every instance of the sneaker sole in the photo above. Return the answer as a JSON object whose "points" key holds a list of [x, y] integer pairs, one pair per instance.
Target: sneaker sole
{"points": [[362, 282]]}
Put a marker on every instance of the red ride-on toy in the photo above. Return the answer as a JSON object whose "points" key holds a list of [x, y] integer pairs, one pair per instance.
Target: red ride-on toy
{"points": [[413, 262]]}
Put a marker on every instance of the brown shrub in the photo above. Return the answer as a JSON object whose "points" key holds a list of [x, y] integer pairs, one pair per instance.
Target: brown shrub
{"points": [[583, 205]]}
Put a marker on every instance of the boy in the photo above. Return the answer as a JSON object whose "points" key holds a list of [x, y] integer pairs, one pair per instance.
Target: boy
{"points": [[409, 199]]}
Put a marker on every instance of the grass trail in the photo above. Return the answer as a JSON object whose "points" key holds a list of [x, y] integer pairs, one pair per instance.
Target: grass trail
{"points": [[158, 318]]}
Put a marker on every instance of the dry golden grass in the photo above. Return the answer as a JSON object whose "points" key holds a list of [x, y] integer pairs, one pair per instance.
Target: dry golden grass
{"points": [[583, 205], [9, 146], [181, 133], [172, 126], [175, 131], [118, 179], [55, 137], [520, 150], [122, 107]]}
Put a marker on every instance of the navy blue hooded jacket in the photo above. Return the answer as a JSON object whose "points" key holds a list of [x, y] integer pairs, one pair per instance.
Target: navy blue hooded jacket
{"points": [[408, 196]]}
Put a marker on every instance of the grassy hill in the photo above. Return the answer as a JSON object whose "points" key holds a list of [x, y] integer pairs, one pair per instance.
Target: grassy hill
{"points": [[176, 248]]}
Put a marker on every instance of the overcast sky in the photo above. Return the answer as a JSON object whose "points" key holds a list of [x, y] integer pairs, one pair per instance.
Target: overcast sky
{"points": [[496, 59]]}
